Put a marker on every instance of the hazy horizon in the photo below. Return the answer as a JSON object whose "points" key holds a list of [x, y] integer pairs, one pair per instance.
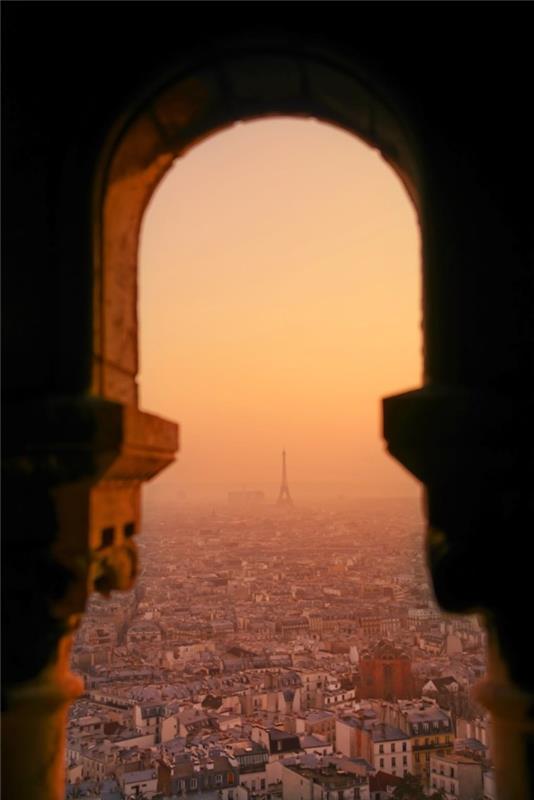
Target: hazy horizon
{"points": [[307, 494]]}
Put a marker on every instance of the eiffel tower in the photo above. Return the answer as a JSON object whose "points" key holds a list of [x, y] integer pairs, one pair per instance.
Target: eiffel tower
{"points": [[284, 498]]}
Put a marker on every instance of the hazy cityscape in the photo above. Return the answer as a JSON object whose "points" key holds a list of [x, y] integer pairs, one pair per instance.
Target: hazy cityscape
{"points": [[278, 650]]}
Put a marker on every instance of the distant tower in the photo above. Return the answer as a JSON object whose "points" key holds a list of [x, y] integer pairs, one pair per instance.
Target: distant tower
{"points": [[284, 498]]}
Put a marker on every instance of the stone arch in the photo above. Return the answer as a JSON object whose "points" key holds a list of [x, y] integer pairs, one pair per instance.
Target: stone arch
{"points": [[174, 118]]}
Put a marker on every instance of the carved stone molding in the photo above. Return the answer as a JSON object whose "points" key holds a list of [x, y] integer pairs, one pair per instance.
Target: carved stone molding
{"points": [[72, 476]]}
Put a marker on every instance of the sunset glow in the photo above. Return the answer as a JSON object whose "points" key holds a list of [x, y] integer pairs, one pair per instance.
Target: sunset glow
{"points": [[279, 302]]}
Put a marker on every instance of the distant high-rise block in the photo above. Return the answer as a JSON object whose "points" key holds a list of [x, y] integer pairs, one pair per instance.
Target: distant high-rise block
{"points": [[386, 672]]}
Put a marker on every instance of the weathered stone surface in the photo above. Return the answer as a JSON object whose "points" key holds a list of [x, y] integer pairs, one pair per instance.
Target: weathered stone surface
{"points": [[186, 106], [137, 150], [115, 334]]}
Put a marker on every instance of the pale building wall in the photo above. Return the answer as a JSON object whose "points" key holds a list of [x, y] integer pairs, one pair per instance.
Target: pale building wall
{"points": [[253, 780], [393, 757], [168, 729], [345, 739], [295, 787]]}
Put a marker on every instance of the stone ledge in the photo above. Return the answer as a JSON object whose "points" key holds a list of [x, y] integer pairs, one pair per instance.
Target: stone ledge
{"points": [[63, 439], [428, 429]]}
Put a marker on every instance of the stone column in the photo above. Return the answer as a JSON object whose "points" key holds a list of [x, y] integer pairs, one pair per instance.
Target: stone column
{"points": [[473, 452], [72, 481]]}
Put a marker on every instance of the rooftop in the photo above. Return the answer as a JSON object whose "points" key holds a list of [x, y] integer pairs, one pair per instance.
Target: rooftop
{"points": [[381, 732], [329, 777]]}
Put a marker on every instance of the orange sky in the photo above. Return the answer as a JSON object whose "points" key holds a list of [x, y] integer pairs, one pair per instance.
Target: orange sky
{"points": [[279, 301]]}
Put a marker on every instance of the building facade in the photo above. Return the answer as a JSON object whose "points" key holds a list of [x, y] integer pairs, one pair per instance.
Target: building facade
{"points": [[385, 672]]}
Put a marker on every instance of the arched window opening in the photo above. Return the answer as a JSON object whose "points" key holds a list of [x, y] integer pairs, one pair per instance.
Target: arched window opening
{"points": [[279, 284]]}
